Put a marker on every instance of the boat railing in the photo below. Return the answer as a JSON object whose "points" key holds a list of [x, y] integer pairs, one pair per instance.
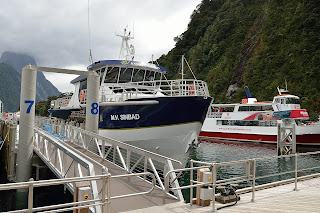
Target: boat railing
{"points": [[117, 92], [250, 175], [130, 158]]}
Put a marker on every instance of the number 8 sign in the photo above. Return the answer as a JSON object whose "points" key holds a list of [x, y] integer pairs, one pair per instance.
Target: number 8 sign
{"points": [[94, 108]]}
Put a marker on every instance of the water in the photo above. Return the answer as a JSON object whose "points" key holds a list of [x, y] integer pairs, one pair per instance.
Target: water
{"points": [[43, 196], [214, 151]]}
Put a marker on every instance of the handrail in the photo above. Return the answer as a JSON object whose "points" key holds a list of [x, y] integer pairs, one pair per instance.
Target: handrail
{"points": [[130, 158], [250, 176], [178, 87], [84, 204], [97, 145]]}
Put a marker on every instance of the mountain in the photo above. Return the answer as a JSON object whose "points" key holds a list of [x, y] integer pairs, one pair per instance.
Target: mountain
{"points": [[17, 60], [256, 43], [9, 87]]}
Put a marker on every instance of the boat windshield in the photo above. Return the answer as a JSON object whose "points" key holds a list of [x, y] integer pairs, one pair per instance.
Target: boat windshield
{"points": [[128, 74]]}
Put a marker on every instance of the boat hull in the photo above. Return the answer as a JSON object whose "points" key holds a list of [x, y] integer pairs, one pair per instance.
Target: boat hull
{"points": [[305, 135], [172, 141], [167, 127]]}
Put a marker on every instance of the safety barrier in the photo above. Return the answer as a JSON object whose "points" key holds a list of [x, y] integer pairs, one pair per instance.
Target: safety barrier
{"points": [[130, 158], [103, 202], [247, 173]]}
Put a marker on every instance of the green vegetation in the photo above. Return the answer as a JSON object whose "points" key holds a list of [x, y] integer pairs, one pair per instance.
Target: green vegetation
{"points": [[256, 43], [43, 106]]}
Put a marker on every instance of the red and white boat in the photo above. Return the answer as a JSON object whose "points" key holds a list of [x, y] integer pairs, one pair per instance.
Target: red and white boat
{"points": [[257, 121]]}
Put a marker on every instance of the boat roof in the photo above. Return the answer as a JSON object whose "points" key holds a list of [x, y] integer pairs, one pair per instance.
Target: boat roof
{"points": [[121, 63], [288, 96], [125, 63]]}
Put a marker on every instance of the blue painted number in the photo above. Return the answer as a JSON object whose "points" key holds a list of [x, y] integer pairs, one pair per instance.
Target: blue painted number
{"points": [[30, 105], [94, 108]]}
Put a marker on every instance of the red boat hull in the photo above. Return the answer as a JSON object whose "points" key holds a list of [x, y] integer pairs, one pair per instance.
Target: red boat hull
{"points": [[308, 139]]}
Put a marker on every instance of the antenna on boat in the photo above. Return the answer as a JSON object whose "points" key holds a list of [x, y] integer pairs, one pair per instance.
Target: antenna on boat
{"points": [[126, 50], [182, 67], [89, 37], [285, 81]]}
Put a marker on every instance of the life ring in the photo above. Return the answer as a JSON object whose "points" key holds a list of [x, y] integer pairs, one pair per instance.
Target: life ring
{"points": [[81, 96], [191, 90], [65, 102]]}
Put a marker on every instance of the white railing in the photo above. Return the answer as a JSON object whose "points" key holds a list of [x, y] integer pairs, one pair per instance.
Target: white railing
{"points": [[247, 174], [130, 158], [118, 92], [63, 161], [103, 202], [123, 91]]}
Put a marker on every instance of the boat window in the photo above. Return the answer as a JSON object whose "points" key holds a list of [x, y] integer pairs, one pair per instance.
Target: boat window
{"points": [[267, 108], [125, 75], [157, 76], [282, 101], [138, 75], [292, 101], [244, 108], [100, 73], [112, 75], [247, 123], [277, 100], [83, 85], [149, 76]]}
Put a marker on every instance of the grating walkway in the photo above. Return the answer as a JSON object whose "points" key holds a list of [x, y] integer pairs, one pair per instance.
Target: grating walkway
{"points": [[280, 199]]}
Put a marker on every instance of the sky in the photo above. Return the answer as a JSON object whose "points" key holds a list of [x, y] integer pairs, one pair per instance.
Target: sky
{"points": [[56, 32]]}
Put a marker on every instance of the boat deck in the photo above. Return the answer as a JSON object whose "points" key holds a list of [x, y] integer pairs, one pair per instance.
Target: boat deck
{"points": [[278, 199], [127, 185]]}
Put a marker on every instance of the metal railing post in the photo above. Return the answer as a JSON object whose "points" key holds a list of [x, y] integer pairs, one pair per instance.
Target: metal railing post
{"points": [[30, 196], [296, 172], [103, 193], [214, 179], [253, 180], [191, 182], [108, 192]]}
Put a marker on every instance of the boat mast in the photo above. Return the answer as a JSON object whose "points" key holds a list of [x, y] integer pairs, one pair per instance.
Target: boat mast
{"points": [[182, 66], [127, 51]]}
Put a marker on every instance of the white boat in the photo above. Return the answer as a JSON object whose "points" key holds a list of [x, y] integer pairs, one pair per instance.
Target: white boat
{"points": [[139, 106], [257, 121]]}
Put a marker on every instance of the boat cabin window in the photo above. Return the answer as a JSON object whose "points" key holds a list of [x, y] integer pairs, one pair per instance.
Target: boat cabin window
{"points": [[100, 73], [282, 101], [83, 85], [292, 101], [222, 109], [125, 75], [112, 75], [157, 76], [256, 108], [138, 75], [277, 100]]}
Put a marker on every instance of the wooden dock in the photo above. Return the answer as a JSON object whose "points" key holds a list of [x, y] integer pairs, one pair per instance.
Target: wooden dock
{"points": [[279, 199]]}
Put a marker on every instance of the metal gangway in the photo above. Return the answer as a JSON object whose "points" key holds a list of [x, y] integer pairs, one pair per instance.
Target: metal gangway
{"points": [[115, 172]]}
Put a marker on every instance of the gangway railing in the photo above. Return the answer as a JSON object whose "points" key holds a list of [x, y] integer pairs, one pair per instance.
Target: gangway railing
{"points": [[103, 202], [249, 172], [63, 161], [130, 158]]}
